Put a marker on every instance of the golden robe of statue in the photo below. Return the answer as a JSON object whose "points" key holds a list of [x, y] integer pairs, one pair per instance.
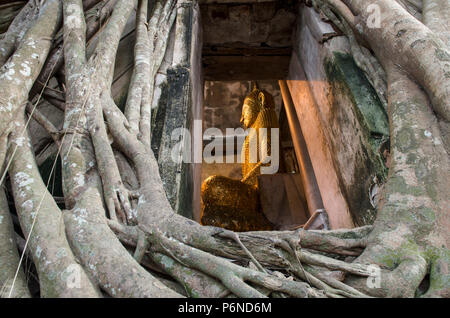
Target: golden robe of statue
{"points": [[234, 204]]}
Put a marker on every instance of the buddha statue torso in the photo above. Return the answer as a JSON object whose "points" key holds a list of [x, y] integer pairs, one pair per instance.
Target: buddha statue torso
{"points": [[234, 204]]}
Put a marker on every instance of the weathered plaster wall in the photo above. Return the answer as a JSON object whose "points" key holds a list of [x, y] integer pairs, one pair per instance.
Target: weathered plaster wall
{"points": [[249, 23], [318, 147], [343, 122], [247, 40]]}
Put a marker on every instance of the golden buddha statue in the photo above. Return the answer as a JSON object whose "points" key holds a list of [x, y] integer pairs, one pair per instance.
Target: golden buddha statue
{"points": [[234, 204]]}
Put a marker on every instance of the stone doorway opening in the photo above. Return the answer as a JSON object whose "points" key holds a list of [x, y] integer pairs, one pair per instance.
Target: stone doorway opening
{"points": [[340, 117], [248, 41]]}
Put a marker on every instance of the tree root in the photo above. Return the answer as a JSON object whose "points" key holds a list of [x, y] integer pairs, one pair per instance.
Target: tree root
{"points": [[235, 237], [9, 258], [40, 218], [195, 283], [439, 275], [234, 277], [106, 260], [293, 258], [339, 287]]}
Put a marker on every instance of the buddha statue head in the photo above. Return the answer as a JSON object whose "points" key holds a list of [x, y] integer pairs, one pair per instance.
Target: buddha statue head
{"points": [[254, 103]]}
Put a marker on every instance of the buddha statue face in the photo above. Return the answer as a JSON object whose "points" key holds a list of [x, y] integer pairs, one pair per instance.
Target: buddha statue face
{"points": [[254, 103], [250, 111]]}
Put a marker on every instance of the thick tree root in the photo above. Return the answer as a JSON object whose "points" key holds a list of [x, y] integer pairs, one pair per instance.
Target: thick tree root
{"points": [[234, 277], [293, 258], [43, 226], [104, 257], [9, 258]]}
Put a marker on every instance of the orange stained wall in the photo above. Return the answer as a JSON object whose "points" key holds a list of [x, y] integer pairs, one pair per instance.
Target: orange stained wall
{"points": [[318, 147]]}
